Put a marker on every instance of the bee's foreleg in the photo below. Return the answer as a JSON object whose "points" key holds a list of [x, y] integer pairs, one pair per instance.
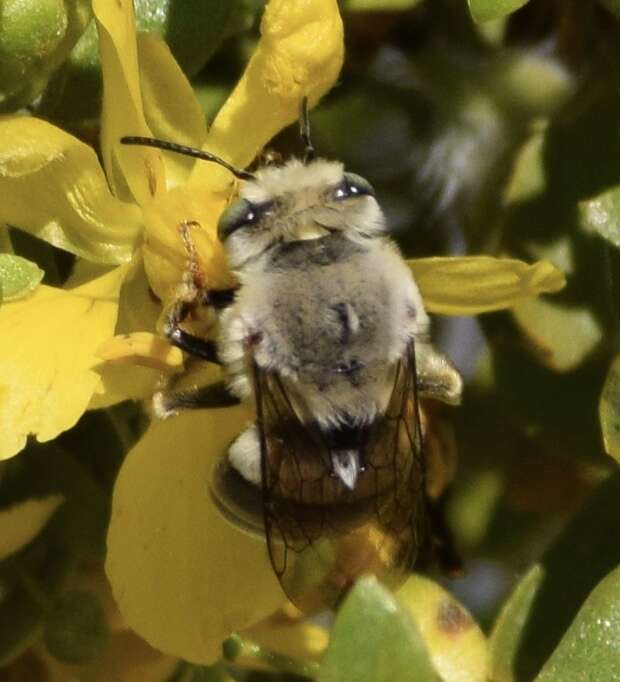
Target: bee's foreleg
{"points": [[437, 377], [167, 403], [191, 294], [205, 349]]}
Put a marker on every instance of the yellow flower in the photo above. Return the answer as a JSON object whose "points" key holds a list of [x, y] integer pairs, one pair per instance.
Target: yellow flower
{"points": [[48, 373], [182, 576]]}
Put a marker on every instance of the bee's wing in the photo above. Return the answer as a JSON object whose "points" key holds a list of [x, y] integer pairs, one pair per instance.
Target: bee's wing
{"points": [[321, 536]]}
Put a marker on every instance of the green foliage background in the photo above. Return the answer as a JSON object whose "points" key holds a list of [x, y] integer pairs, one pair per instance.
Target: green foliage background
{"points": [[498, 134]]}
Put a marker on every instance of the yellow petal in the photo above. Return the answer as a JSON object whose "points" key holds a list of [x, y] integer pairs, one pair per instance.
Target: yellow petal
{"points": [[183, 577], [53, 187], [301, 640], [472, 285], [138, 312], [171, 110], [47, 351], [299, 54], [136, 171], [165, 254], [22, 522], [456, 645], [142, 348], [123, 382]]}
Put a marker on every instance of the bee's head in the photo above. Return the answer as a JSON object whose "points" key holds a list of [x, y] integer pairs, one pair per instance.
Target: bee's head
{"points": [[298, 201]]}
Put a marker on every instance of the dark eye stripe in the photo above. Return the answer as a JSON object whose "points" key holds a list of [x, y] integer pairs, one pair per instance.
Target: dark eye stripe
{"points": [[242, 213], [352, 186]]}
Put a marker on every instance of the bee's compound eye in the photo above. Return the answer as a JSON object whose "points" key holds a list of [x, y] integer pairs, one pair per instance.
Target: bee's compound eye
{"points": [[239, 214], [353, 186], [359, 186]]}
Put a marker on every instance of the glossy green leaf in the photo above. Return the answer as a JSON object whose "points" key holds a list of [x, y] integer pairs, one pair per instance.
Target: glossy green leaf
{"points": [[374, 639], [547, 600], [483, 10], [508, 631], [590, 650], [456, 646], [18, 277], [609, 410], [601, 215], [76, 630]]}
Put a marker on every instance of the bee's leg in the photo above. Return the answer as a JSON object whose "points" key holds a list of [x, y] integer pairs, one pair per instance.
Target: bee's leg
{"points": [[244, 455], [437, 377], [190, 295], [167, 403], [205, 349]]}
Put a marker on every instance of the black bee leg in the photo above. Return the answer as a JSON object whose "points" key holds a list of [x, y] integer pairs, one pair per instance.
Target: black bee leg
{"points": [[167, 403], [442, 547], [190, 295], [204, 349]]}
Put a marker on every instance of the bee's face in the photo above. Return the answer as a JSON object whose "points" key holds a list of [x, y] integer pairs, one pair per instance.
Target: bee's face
{"points": [[295, 202]]}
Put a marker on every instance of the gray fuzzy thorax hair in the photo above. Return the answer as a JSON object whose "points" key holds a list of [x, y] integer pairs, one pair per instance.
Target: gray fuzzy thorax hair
{"points": [[335, 317]]}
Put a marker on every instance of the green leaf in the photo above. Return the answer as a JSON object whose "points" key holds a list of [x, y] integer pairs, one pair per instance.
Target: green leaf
{"points": [[76, 630], [601, 215], [590, 650], [609, 410], [508, 631], [374, 639], [18, 277], [483, 10], [455, 644], [548, 598]]}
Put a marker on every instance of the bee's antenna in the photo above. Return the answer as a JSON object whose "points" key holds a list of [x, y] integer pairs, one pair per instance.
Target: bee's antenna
{"points": [[304, 131], [188, 151]]}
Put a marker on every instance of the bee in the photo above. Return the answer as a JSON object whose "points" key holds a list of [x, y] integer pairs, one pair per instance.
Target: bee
{"points": [[328, 336]]}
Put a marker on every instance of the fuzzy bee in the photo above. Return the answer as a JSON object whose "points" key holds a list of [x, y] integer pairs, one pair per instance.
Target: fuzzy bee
{"points": [[328, 336]]}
